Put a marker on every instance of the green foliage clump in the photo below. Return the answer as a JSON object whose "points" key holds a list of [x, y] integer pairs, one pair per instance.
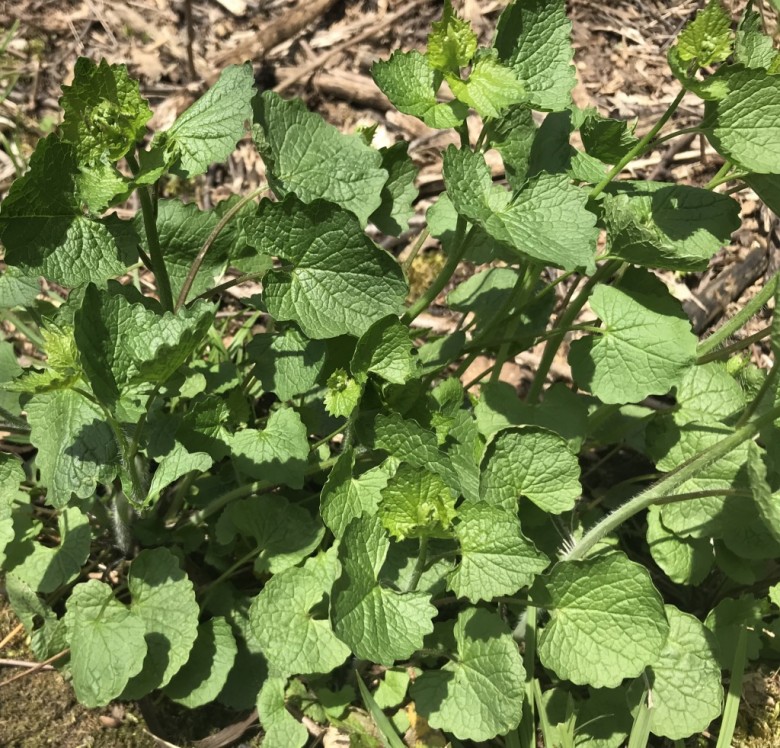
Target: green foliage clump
{"points": [[261, 507]]}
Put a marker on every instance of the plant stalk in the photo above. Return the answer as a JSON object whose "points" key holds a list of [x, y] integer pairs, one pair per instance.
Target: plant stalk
{"points": [[212, 237], [640, 147], [441, 280], [419, 567], [727, 329], [664, 488], [153, 240], [564, 323]]}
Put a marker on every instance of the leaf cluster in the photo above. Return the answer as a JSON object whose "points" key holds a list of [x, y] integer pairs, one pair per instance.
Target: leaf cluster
{"points": [[263, 503]]}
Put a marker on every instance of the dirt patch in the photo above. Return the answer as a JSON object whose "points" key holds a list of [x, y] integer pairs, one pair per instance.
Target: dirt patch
{"points": [[41, 710]]}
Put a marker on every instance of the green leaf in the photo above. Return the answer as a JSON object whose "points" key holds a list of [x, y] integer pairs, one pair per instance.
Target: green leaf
{"points": [[708, 392], [46, 568], [409, 442], [283, 533], [561, 411], [384, 726], [282, 730], [416, 503], [102, 186], [204, 674], [708, 38], [123, 344], [392, 689], [533, 38], [343, 394], [484, 294], [766, 186], [47, 632], [208, 131], [11, 475], [411, 84], [513, 135], [766, 502], [17, 289], [683, 560], [490, 88], [603, 721], [668, 226], [311, 158], [548, 221], [176, 464], [45, 232], [607, 139], [293, 639], [452, 43], [346, 496], [287, 363], [495, 557], [478, 694], [104, 114], [686, 680], [107, 643], [607, 621], [753, 48], [163, 598], [76, 447], [278, 453], [378, 624], [339, 281], [386, 349], [393, 214], [203, 427], [727, 618], [532, 462], [645, 347], [744, 126]]}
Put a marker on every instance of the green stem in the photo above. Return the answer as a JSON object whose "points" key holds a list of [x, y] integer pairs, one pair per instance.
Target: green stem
{"points": [[767, 387], [212, 237], [564, 323], [529, 662], [260, 486], [229, 284], [208, 590], [724, 353], [739, 319], [424, 234], [419, 567], [520, 296], [664, 488], [675, 134], [720, 176], [153, 240], [453, 260], [326, 439], [640, 147], [731, 710]]}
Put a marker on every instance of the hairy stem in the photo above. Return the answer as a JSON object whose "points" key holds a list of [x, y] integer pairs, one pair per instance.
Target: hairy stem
{"points": [[664, 488], [727, 329], [441, 280], [419, 567], [640, 147], [564, 323], [725, 353], [212, 237], [520, 297], [153, 240], [256, 487]]}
